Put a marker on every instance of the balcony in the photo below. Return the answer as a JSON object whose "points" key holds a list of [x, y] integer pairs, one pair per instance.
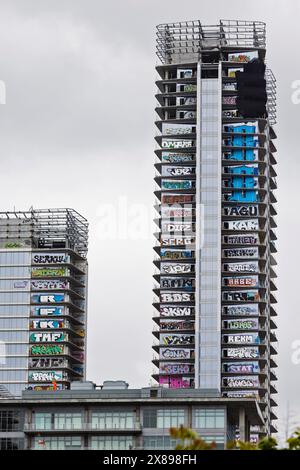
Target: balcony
{"points": [[189, 90], [168, 84], [172, 111]]}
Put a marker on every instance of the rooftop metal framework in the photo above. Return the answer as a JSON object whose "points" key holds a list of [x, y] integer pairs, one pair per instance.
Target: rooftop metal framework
{"points": [[191, 37], [271, 91], [50, 228]]}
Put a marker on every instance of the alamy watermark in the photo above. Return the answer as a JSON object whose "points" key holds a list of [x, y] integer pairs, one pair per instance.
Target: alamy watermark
{"points": [[295, 357], [174, 222], [295, 96]]}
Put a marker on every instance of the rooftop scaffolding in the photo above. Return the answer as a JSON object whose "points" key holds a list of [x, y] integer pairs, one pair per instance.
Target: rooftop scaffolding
{"points": [[46, 228]]}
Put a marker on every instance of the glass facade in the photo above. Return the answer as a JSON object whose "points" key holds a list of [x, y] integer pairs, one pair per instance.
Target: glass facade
{"points": [[69, 420], [57, 421], [57, 443], [14, 293], [209, 418], [10, 421]]}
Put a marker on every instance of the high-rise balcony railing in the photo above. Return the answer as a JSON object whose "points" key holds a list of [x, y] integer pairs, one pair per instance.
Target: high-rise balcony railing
{"points": [[82, 427]]}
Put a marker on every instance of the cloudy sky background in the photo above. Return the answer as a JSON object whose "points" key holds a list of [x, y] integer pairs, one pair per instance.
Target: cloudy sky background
{"points": [[77, 131]]}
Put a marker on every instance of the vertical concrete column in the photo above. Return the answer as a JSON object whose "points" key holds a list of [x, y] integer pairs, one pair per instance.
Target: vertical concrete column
{"points": [[190, 416]]}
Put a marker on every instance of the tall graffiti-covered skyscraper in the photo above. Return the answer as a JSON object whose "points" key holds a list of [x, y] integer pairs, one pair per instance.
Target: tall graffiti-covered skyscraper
{"points": [[43, 291], [215, 179]]}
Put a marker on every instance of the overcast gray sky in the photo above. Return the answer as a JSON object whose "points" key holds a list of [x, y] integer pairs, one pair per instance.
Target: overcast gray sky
{"points": [[77, 131]]}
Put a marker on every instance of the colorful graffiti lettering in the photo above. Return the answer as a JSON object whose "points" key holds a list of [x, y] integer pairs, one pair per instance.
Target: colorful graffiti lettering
{"points": [[176, 325], [241, 253], [44, 324], [45, 387], [46, 362], [176, 157], [176, 353], [175, 184], [176, 311], [47, 337], [47, 311], [175, 382], [45, 376], [49, 258], [241, 382], [176, 297], [177, 198], [47, 298], [175, 369], [175, 254], [170, 268], [241, 309], [47, 350], [45, 284], [241, 352], [171, 340], [47, 272]]}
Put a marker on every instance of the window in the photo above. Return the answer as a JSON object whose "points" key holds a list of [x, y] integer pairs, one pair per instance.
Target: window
{"points": [[209, 418], [12, 284], [111, 442], [14, 297], [14, 336], [13, 376], [13, 323], [159, 443], [14, 310], [150, 418], [7, 443], [10, 421], [15, 258], [14, 362], [164, 418], [113, 419], [15, 271], [14, 349], [67, 421], [57, 443], [219, 440], [170, 418], [42, 420]]}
